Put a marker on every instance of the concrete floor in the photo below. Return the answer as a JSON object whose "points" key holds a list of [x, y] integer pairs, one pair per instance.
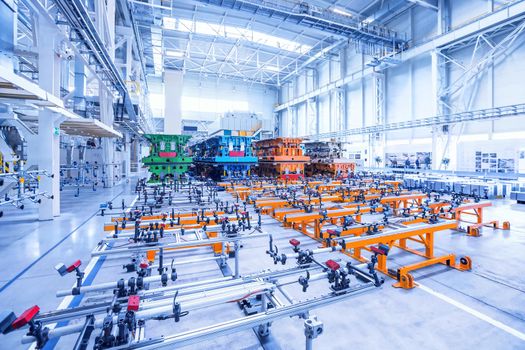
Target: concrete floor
{"points": [[482, 309]]}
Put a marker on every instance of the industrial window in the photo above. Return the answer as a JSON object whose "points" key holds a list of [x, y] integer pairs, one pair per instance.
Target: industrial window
{"points": [[211, 105]]}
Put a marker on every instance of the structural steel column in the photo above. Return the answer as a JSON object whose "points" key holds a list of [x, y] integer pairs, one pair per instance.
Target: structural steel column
{"points": [[172, 106], [127, 156], [108, 144], [377, 141], [105, 14], [438, 83], [80, 87]]}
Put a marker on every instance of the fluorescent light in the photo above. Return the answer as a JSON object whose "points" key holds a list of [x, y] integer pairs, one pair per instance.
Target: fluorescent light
{"points": [[271, 68], [512, 135], [473, 137], [341, 12], [173, 53], [421, 141], [397, 142]]}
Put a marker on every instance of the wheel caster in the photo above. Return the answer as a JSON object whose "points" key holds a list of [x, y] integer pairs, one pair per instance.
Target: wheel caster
{"points": [[465, 263], [406, 281]]}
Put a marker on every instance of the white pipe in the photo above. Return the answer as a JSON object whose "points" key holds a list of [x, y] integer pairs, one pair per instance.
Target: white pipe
{"points": [[104, 286], [197, 301]]}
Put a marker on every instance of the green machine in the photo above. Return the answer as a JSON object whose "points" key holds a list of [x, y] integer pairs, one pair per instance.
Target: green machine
{"points": [[168, 156]]}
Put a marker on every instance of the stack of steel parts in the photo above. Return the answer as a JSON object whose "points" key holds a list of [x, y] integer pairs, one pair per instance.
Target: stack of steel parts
{"points": [[168, 158], [326, 158], [281, 157], [224, 156]]}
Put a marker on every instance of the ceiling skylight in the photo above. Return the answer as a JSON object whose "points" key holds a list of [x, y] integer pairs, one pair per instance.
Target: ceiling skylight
{"points": [[232, 32]]}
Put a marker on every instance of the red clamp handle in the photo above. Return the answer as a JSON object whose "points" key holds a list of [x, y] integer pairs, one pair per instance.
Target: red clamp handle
{"points": [[133, 303], [295, 242], [26, 317], [332, 265], [74, 266], [379, 250]]}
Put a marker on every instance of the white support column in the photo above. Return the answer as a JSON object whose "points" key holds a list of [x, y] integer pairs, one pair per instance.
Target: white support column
{"points": [[127, 156], [377, 141], [108, 144], [317, 115], [294, 118], [311, 116], [443, 16], [442, 145], [440, 134], [48, 149], [173, 95], [340, 108], [105, 25]]}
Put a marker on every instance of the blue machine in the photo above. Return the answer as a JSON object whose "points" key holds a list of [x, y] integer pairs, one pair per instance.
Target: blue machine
{"points": [[224, 156]]}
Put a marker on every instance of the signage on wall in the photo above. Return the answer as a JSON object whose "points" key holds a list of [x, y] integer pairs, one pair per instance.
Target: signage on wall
{"points": [[489, 162]]}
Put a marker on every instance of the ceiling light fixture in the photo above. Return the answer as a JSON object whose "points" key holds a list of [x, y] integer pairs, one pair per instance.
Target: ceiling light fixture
{"points": [[173, 53], [341, 12]]}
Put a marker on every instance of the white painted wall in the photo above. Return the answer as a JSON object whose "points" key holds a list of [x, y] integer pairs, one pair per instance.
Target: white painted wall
{"points": [[207, 99]]}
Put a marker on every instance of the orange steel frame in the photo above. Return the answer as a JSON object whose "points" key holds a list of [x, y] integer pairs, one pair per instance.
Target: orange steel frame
{"points": [[217, 248], [423, 236], [285, 169], [311, 224], [280, 213], [332, 169], [418, 235], [404, 201], [396, 202], [475, 210], [185, 222], [168, 216]]}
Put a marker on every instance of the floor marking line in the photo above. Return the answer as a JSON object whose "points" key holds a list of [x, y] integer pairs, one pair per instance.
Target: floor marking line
{"points": [[28, 267], [91, 271], [475, 313]]}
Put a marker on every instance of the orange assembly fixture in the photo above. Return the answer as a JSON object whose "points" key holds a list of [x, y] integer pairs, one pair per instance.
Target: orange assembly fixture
{"points": [[281, 157], [422, 234]]}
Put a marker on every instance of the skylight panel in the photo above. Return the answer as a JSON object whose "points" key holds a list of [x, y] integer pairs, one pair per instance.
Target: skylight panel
{"points": [[234, 32]]}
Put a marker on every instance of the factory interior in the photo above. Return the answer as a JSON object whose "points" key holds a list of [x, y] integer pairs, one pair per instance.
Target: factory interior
{"points": [[262, 174]]}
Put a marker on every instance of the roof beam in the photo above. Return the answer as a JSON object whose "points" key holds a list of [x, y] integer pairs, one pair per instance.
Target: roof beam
{"points": [[311, 17], [236, 16], [425, 3], [504, 16]]}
